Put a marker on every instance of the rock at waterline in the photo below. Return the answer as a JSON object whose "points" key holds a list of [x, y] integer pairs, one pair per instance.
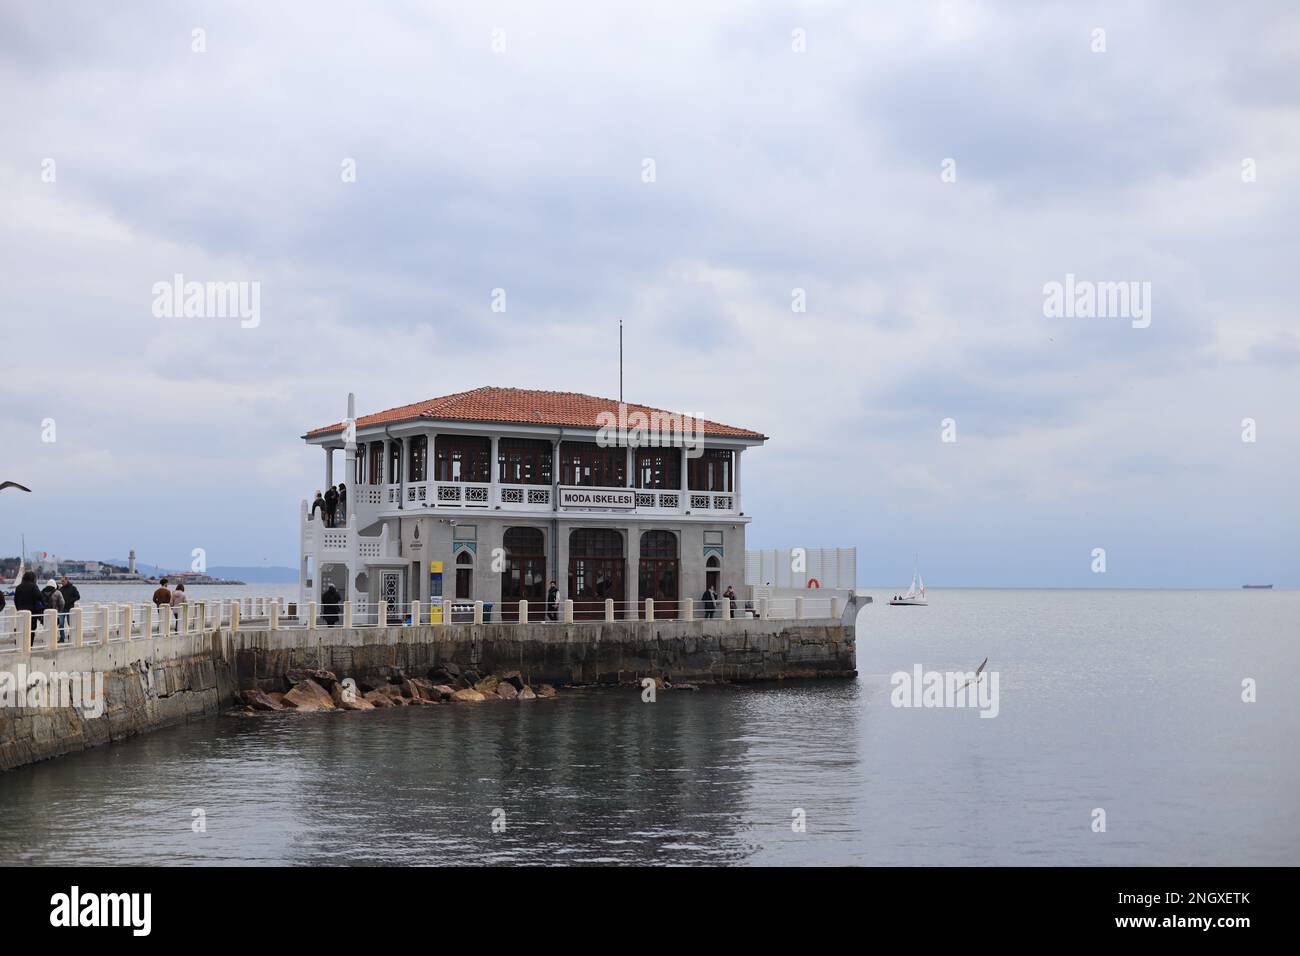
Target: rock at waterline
{"points": [[514, 679], [444, 691], [488, 685], [353, 701], [545, 691], [527, 693], [467, 695], [309, 695], [324, 678], [258, 699], [506, 691], [377, 698]]}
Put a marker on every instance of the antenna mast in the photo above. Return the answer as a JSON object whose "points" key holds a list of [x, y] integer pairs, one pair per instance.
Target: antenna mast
{"points": [[620, 361]]}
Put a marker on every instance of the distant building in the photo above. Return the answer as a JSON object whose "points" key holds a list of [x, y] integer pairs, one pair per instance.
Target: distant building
{"points": [[130, 566]]}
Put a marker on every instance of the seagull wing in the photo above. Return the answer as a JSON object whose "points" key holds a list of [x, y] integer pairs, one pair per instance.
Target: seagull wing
{"points": [[14, 484], [980, 670]]}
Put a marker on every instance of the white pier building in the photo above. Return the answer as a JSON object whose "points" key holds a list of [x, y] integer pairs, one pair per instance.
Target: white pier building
{"points": [[492, 493]]}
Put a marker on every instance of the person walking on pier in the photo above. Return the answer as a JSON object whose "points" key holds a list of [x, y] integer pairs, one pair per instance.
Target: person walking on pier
{"points": [[52, 598], [27, 597], [330, 606], [70, 593], [341, 516], [331, 506], [318, 505], [729, 595], [710, 600], [178, 598], [553, 603], [162, 597]]}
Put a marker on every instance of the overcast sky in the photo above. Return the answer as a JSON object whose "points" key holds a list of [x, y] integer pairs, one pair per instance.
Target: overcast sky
{"points": [[775, 169]]}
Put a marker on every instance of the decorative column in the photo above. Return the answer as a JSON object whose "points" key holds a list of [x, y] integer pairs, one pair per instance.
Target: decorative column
{"points": [[735, 479], [494, 475], [632, 579]]}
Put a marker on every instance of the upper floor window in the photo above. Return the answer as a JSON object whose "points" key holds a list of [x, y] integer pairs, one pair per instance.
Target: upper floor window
{"points": [[375, 462], [394, 462], [712, 470], [524, 461], [418, 457], [659, 468], [586, 463], [463, 458]]}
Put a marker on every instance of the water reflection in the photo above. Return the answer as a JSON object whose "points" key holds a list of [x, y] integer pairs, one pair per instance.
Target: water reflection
{"points": [[591, 777]]}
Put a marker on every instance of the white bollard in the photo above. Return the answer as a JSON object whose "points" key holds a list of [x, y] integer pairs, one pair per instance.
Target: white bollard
{"points": [[609, 609], [446, 610], [273, 620], [311, 614], [78, 636], [106, 626], [415, 612], [568, 610], [765, 608], [649, 609], [234, 617], [724, 608], [798, 609], [381, 615], [478, 612], [24, 632], [688, 610], [523, 612], [837, 609], [347, 613]]}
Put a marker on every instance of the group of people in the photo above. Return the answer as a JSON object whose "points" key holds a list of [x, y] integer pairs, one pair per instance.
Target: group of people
{"points": [[61, 597], [167, 597], [333, 505], [710, 600]]}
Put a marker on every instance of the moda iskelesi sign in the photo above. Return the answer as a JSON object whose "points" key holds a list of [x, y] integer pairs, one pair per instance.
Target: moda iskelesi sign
{"points": [[597, 498]]}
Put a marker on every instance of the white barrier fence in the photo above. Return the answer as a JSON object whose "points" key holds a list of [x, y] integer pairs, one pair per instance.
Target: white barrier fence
{"points": [[96, 624]]}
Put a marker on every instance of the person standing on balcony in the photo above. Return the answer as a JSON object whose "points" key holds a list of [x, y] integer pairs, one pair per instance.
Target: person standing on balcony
{"points": [[553, 603], [343, 504], [318, 505], [331, 506]]}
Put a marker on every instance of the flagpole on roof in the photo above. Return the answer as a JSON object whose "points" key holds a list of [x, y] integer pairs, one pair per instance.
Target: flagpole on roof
{"points": [[620, 361]]}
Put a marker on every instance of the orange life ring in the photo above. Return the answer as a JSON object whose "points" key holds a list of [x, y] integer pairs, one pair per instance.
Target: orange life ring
{"points": [[814, 583]]}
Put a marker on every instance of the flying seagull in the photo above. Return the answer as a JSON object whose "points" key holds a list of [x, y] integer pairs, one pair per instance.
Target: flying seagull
{"points": [[978, 671], [14, 484]]}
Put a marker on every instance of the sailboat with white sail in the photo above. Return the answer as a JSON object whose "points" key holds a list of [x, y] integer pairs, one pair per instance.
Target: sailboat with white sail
{"points": [[915, 595]]}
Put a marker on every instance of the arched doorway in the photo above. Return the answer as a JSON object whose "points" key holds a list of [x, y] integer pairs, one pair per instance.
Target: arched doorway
{"points": [[465, 576], [524, 577], [713, 574], [596, 563], [660, 573]]}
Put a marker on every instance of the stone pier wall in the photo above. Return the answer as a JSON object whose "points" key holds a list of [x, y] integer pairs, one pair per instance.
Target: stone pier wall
{"points": [[148, 683], [581, 653], [145, 685]]}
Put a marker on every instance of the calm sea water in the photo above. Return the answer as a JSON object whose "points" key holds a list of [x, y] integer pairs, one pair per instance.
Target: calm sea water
{"points": [[1128, 701]]}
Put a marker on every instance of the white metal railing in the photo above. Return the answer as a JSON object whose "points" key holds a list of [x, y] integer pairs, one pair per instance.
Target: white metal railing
{"points": [[98, 624]]}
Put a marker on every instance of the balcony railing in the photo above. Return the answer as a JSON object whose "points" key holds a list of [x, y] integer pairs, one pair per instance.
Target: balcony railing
{"points": [[375, 501]]}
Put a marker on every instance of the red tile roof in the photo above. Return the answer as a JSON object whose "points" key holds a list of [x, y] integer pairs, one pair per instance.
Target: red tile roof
{"points": [[527, 406]]}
